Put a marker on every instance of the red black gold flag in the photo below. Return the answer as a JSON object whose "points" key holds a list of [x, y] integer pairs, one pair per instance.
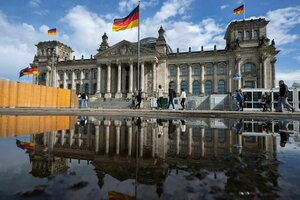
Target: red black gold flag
{"points": [[28, 70], [238, 10], [131, 21], [52, 31]]}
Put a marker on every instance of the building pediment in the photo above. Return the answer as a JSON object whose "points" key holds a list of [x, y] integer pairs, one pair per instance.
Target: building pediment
{"points": [[125, 49]]}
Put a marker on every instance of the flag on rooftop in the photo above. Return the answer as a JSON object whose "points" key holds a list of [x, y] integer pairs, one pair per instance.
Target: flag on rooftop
{"points": [[28, 70], [131, 21], [52, 31], [239, 10]]}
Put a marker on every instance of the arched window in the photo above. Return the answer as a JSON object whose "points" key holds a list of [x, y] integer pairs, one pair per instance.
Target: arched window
{"points": [[183, 71], [221, 70], [208, 135], [86, 75], [247, 35], [208, 70], [240, 35], [221, 87], [69, 74], [208, 87], [221, 135], [173, 85], [249, 68], [185, 86], [196, 70], [172, 71], [61, 76], [78, 75], [255, 34], [196, 88], [86, 88], [196, 133], [69, 86]]}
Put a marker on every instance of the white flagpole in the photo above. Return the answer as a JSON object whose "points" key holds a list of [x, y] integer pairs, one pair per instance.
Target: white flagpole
{"points": [[138, 53]]}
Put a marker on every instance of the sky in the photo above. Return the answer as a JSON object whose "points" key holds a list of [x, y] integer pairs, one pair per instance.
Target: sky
{"points": [[80, 24]]}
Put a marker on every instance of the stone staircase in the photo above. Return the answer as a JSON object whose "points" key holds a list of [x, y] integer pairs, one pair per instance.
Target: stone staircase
{"points": [[115, 103]]}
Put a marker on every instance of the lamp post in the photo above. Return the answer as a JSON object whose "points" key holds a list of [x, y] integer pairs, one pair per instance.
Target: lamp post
{"points": [[53, 69]]}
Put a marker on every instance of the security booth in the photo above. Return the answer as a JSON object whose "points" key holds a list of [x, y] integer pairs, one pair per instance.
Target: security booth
{"points": [[253, 97]]}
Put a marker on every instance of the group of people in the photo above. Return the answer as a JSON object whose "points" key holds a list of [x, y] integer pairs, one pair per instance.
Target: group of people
{"points": [[171, 95], [83, 100]]}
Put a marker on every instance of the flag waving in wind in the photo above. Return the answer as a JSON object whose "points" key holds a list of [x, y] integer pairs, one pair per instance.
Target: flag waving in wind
{"points": [[239, 10], [131, 21], [28, 70]]}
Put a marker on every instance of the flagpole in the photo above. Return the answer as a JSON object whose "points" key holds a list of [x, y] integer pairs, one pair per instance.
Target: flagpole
{"points": [[138, 54], [244, 10]]}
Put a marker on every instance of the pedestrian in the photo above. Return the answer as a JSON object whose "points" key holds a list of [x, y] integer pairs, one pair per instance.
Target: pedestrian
{"points": [[160, 95], [238, 98], [241, 102], [172, 95], [79, 100], [183, 97], [283, 97], [138, 99], [84, 100]]}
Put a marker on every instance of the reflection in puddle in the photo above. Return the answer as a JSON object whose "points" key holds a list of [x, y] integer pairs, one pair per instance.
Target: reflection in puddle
{"points": [[161, 158]]}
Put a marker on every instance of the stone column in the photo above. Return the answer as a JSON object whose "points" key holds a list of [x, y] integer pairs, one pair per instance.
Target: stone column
{"points": [[98, 92], [62, 135], [190, 80], [215, 141], [97, 133], [71, 138], [202, 83], [81, 81], [190, 141], [108, 86], [273, 68], [65, 80], [118, 128], [178, 80], [141, 141], [154, 76], [48, 78], [215, 81], [239, 81], [73, 80], [129, 95], [107, 125], [230, 74], [154, 141], [265, 75], [119, 94], [177, 141], [129, 137], [202, 142], [143, 77]]}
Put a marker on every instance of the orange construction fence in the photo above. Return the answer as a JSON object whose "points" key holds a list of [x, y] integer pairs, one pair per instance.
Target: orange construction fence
{"points": [[18, 94]]}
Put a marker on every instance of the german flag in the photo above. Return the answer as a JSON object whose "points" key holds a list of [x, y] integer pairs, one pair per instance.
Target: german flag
{"points": [[25, 145], [52, 31], [131, 21], [28, 70], [239, 10]]}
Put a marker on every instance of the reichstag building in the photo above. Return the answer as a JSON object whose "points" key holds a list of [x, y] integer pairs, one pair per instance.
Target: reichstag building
{"points": [[113, 73]]}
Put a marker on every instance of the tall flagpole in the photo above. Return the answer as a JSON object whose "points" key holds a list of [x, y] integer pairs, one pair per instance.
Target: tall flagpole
{"points": [[138, 53], [244, 9]]}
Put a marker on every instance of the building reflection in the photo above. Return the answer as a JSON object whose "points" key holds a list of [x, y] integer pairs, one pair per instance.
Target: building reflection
{"points": [[112, 146]]}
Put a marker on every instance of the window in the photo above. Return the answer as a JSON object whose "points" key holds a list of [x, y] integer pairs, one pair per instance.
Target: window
{"points": [[196, 88], [172, 71], [247, 35], [86, 88], [221, 87], [78, 75], [69, 74], [77, 88], [255, 34], [249, 84], [240, 35], [221, 135], [208, 135], [208, 87], [221, 70], [185, 86], [95, 75], [94, 88], [196, 71], [86, 75], [249, 68], [208, 70], [61, 76], [183, 71], [61, 85], [69, 86], [43, 76]]}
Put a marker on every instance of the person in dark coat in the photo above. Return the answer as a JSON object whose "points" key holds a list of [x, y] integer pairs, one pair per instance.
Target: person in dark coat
{"points": [[172, 95], [283, 97], [138, 99]]}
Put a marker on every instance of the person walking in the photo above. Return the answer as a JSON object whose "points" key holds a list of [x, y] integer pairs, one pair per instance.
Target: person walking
{"points": [[138, 99], [238, 98], [160, 95], [283, 97], [241, 102], [172, 95], [79, 100], [183, 97], [84, 100]]}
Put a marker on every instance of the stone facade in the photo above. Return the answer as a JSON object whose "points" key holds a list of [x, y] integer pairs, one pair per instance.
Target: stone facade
{"points": [[113, 71]]}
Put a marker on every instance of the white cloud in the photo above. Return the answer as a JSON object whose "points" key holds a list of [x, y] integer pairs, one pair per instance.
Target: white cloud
{"points": [[298, 58], [34, 3], [289, 77], [282, 21], [128, 5], [224, 7]]}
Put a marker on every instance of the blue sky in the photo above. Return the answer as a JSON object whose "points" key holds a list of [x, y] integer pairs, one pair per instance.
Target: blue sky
{"points": [[188, 23]]}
